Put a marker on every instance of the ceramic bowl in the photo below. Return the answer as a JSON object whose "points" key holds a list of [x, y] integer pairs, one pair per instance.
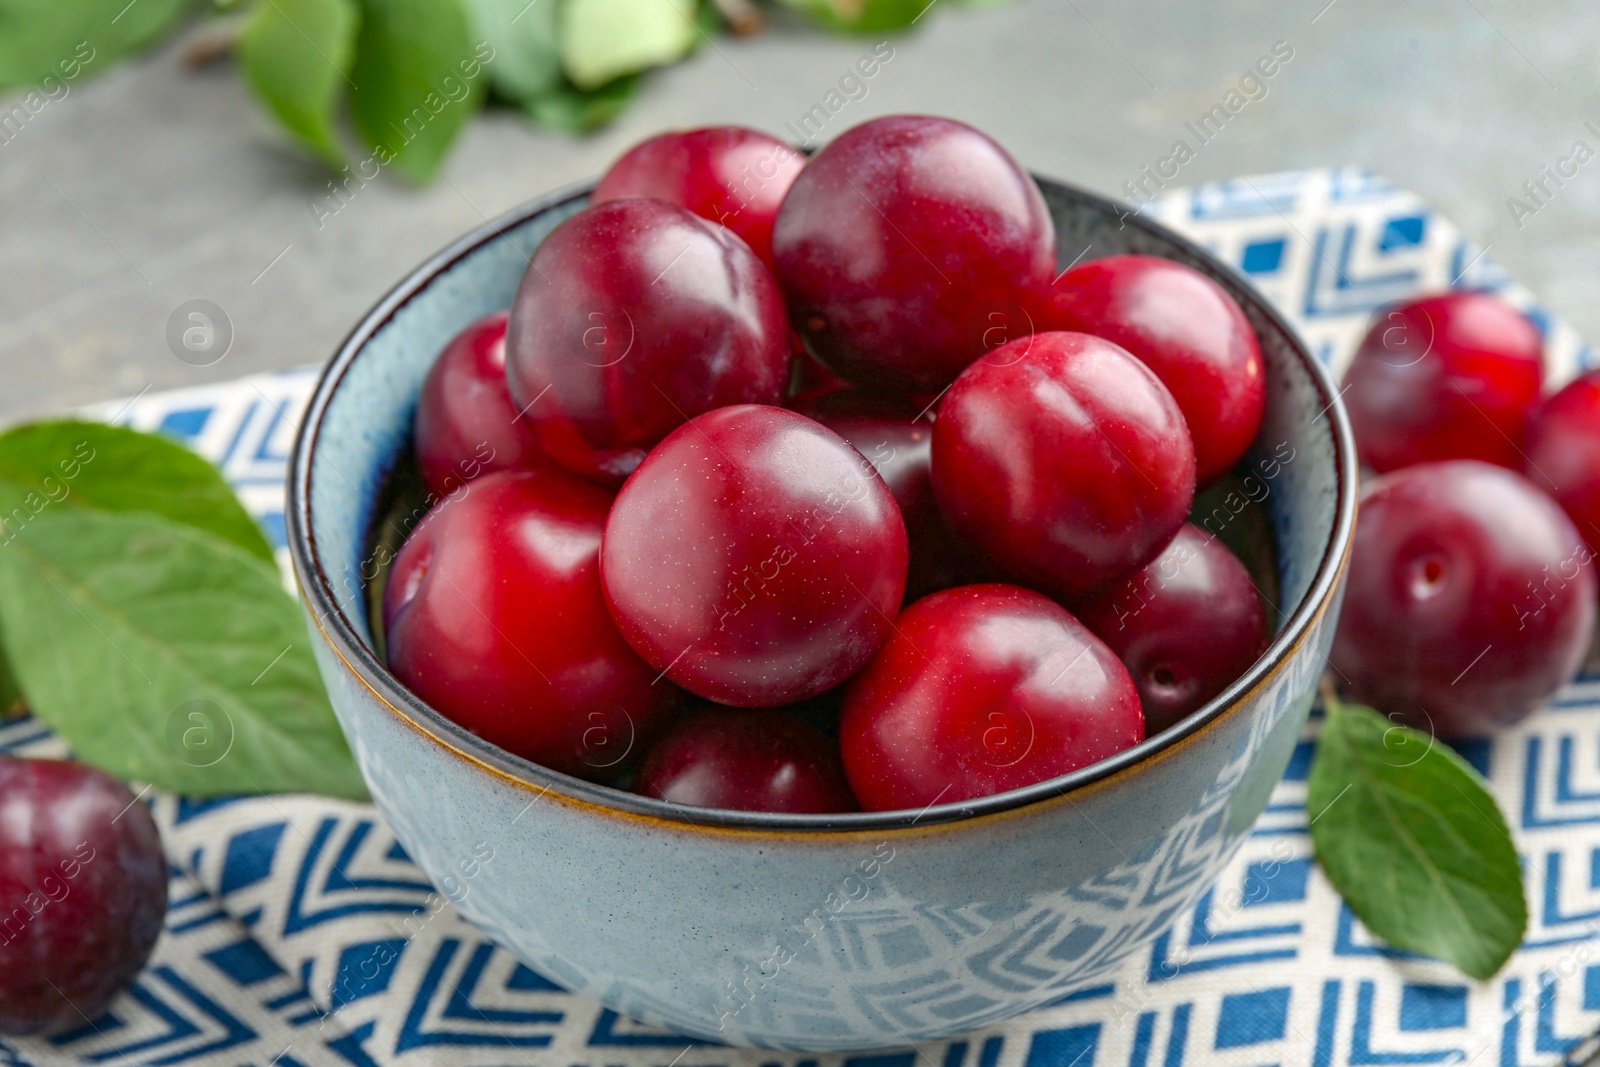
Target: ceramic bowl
{"points": [[816, 932]]}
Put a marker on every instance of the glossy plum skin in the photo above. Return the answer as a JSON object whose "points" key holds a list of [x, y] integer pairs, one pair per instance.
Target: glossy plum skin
{"points": [[744, 760], [896, 437], [1470, 598], [908, 247], [1065, 460], [1563, 453], [754, 557], [728, 174], [983, 689], [83, 885], [1450, 376], [1186, 329], [1186, 625], [493, 615], [465, 423], [633, 317]]}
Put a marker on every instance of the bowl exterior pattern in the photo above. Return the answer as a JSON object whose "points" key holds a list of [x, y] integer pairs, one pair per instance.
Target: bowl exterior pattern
{"points": [[867, 935]]}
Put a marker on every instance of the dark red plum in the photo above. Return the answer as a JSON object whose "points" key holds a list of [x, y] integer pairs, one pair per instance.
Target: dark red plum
{"points": [[83, 892], [494, 616], [755, 557], [1562, 453], [466, 424], [746, 760], [910, 246], [1470, 598], [1450, 376], [633, 317], [1065, 460], [982, 689], [728, 174], [1186, 625]]}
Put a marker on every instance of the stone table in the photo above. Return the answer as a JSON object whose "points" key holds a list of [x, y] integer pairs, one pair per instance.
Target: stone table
{"points": [[153, 185]]}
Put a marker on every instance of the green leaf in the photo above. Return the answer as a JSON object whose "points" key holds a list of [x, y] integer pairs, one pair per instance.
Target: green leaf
{"points": [[863, 16], [202, 679], [709, 22], [64, 40], [297, 55], [68, 463], [1414, 842], [418, 78], [601, 40], [571, 109], [527, 54], [92, 465], [10, 693]]}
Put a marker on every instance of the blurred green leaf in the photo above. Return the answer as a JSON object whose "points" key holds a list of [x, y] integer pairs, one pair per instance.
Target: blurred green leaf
{"points": [[708, 22], [527, 58], [571, 109], [68, 39], [601, 40], [419, 76], [297, 56], [863, 16]]}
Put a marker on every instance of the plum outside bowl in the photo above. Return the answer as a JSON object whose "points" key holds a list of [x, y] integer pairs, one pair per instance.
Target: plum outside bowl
{"points": [[813, 932]]}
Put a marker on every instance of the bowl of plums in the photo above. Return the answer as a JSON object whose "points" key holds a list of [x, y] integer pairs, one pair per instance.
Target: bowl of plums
{"points": [[862, 596]]}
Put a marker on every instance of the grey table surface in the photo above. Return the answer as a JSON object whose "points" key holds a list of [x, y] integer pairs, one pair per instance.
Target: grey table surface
{"points": [[153, 185]]}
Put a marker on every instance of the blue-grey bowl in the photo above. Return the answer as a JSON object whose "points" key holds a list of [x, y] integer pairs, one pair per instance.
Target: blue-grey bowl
{"points": [[814, 932]]}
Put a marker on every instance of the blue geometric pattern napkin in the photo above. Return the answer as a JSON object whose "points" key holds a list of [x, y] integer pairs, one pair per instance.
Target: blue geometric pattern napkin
{"points": [[301, 934]]}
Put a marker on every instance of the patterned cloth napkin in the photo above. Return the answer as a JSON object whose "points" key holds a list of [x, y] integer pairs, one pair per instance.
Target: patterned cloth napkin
{"points": [[300, 933]]}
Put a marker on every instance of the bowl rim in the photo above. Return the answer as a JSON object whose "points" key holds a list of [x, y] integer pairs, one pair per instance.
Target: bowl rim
{"points": [[329, 620]]}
